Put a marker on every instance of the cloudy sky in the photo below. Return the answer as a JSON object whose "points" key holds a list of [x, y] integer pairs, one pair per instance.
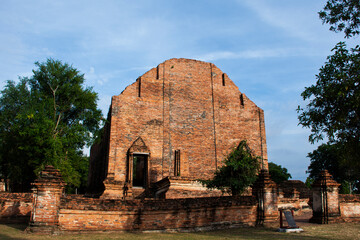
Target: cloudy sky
{"points": [[271, 49]]}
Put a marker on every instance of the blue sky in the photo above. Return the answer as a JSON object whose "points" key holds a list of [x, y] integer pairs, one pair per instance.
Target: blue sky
{"points": [[271, 49]]}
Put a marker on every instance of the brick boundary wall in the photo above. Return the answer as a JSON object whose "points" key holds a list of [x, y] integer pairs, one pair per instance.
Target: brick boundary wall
{"points": [[331, 207], [54, 212], [350, 207], [15, 207], [79, 214]]}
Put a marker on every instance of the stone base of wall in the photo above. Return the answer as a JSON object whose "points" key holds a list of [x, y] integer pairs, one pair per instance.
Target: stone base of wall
{"points": [[42, 229]]}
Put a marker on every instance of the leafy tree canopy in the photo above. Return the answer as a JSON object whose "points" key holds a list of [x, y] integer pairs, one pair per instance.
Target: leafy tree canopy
{"points": [[333, 108], [334, 101], [47, 119], [342, 15], [331, 157], [238, 172], [277, 173]]}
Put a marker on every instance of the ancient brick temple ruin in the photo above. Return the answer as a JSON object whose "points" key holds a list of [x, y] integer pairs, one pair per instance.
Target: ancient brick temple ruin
{"points": [[174, 125]]}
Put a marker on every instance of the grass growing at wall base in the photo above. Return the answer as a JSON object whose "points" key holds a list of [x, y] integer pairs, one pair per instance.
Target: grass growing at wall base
{"points": [[311, 232]]}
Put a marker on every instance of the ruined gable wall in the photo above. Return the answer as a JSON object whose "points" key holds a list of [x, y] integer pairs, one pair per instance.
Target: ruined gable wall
{"points": [[183, 105], [98, 161]]}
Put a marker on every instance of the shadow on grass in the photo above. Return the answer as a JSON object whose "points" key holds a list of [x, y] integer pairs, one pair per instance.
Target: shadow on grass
{"points": [[256, 233], [18, 226], [6, 237]]}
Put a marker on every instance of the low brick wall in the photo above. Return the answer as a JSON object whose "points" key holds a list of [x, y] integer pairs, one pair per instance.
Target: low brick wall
{"points": [[88, 214], [350, 207], [299, 205], [15, 207]]}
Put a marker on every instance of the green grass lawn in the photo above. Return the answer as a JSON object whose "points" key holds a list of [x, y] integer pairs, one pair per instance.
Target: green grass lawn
{"points": [[311, 231]]}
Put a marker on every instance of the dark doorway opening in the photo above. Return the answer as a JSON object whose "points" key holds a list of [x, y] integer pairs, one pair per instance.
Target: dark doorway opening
{"points": [[139, 170]]}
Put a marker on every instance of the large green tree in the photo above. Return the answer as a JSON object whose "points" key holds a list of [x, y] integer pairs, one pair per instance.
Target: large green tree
{"points": [[278, 173], [47, 118], [330, 157], [238, 172], [333, 109], [342, 15]]}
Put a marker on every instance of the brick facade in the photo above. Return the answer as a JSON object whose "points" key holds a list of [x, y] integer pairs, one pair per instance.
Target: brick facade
{"points": [[265, 191], [325, 199], [167, 214], [350, 207], [182, 117], [48, 189], [15, 207], [54, 212]]}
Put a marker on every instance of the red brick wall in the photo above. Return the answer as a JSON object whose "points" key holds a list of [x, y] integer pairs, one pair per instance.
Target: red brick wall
{"points": [[98, 162], [184, 105], [80, 214], [350, 207], [15, 207], [46, 204]]}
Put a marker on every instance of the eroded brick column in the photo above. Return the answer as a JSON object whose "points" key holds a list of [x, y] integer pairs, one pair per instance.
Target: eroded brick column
{"points": [[47, 190], [265, 191], [325, 204]]}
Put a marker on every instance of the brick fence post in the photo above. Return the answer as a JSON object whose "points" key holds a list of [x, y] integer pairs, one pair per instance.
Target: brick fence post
{"points": [[47, 191], [265, 190], [325, 203]]}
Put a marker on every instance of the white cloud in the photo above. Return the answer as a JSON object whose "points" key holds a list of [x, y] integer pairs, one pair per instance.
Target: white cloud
{"points": [[246, 54], [261, 53], [296, 18]]}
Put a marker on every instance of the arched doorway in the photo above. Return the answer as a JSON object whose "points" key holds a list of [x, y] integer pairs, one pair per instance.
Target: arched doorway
{"points": [[138, 164]]}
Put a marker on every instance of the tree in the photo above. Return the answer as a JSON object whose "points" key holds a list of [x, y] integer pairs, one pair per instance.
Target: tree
{"points": [[333, 109], [330, 157], [47, 119], [238, 172], [342, 15], [333, 106], [334, 101], [277, 173]]}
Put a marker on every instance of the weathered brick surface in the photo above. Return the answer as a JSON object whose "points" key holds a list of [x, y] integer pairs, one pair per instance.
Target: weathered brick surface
{"points": [[48, 189], [98, 162], [185, 105], [265, 191], [15, 207], [293, 194], [325, 200], [177, 214], [287, 187], [350, 207]]}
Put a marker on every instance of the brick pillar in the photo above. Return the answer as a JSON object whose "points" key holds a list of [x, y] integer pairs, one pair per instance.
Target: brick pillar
{"points": [[48, 189], [325, 191], [265, 191], [2, 185]]}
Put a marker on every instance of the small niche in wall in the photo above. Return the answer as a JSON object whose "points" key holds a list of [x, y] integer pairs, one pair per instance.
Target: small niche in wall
{"points": [[241, 101], [177, 163], [223, 79], [139, 86]]}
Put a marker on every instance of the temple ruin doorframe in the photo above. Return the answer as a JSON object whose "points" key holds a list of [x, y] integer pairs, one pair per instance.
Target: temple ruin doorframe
{"points": [[133, 169]]}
